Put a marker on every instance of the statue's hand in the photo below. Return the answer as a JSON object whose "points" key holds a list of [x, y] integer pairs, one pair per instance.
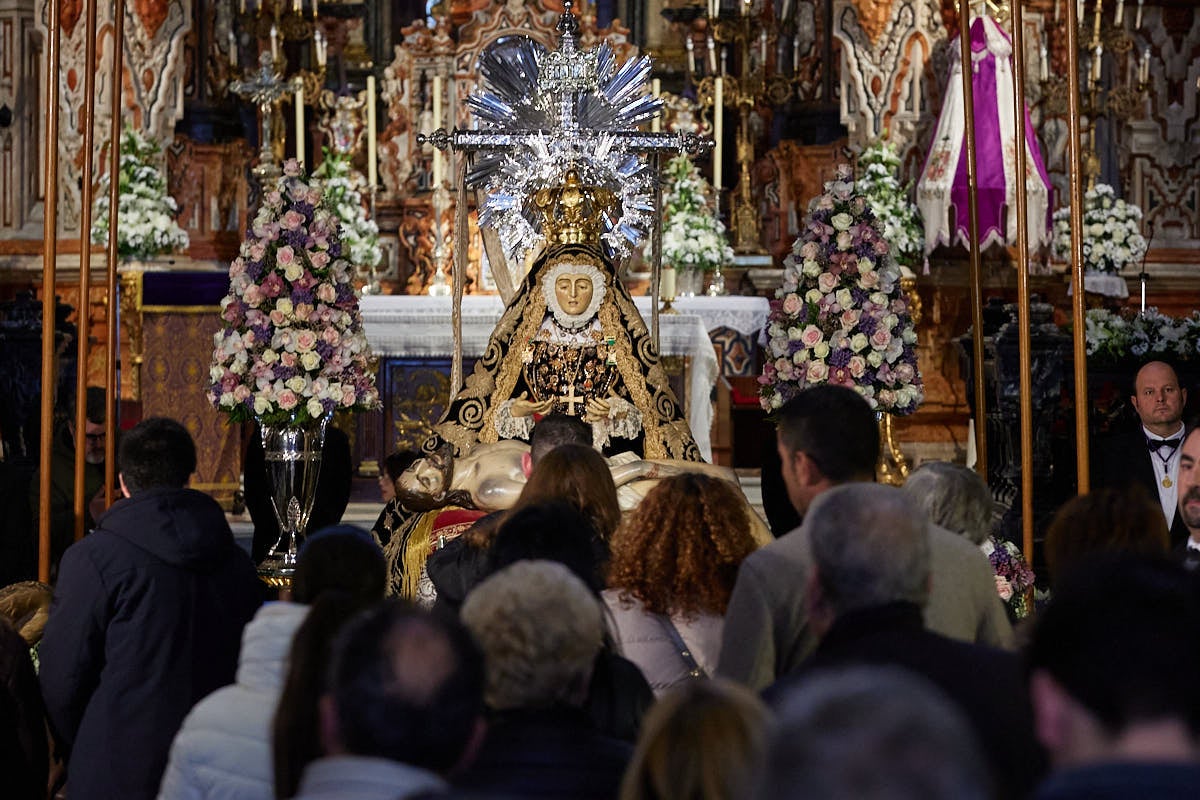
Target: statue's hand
{"points": [[522, 406], [597, 410]]}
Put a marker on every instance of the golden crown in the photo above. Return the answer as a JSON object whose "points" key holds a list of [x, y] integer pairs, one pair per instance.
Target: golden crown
{"points": [[574, 213]]}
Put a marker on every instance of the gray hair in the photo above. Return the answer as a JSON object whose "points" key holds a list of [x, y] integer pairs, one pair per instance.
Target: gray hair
{"points": [[540, 628], [954, 497], [870, 545], [871, 733]]}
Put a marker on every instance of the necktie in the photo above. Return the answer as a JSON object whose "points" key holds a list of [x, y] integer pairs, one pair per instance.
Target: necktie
{"points": [[1158, 444]]}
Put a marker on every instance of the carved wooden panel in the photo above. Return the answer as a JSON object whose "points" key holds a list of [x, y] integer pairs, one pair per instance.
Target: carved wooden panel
{"points": [[208, 182]]}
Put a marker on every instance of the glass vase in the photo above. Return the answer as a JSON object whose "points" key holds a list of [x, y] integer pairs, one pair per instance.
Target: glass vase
{"points": [[689, 282], [293, 460]]}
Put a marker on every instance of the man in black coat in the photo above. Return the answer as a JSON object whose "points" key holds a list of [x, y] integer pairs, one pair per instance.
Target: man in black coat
{"points": [[869, 580], [146, 619], [1148, 453]]}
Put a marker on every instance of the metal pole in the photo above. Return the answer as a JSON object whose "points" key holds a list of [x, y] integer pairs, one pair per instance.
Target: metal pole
{"points": [[114, 172], [85, 264], [49, 287], [1074, 154], [656, 274], [1024, 345], [964, 40]]}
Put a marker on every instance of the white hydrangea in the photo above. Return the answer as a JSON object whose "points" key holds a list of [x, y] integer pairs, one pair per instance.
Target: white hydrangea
{"points": [[693, 237], [1112, 232], [146, 224]]}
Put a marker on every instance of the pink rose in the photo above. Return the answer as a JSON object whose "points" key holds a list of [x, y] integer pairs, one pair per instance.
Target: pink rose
{"points": [[792, 304], [303, 311], [880, 339], [868, 280], [331, 336], [826, 282], [348, 396], [326, 293], [810, 250], [881, 247], [253, 295], [287, 399], [818, 371], [850, 317], [905, 373], [319, 259], [291, 220], [811, 336], [287, 359], [277, 317], [241, 393], [237, 267], [857, 366], [845, 240], [257, 251], [284, 256], [306, 340]]}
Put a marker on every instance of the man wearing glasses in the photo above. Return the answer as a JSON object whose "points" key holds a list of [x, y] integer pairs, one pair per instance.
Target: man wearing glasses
{"points": [[62, 475]]}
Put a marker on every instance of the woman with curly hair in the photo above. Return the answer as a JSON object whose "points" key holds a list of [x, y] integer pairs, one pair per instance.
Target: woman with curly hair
{"points": [[672, 569]]}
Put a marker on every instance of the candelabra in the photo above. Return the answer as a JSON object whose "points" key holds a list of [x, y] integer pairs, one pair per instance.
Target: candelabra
{"points": [[752, 41], [265, 86], [1122, 99]]}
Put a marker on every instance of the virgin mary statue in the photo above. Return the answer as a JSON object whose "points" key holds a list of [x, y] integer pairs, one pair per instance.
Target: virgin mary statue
{"points": [[570, 341]]}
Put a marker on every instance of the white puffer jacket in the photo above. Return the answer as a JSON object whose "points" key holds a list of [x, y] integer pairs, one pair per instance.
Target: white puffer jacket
{"points": [[223, 749]]}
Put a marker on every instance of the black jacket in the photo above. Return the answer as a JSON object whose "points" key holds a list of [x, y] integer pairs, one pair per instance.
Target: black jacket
{"points": [[987, 684], [1123, 459], [146, 620], [551, 754]]}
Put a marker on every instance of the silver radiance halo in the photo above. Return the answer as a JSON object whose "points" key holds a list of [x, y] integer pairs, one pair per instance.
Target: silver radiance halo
{"points": [[544, 112]]}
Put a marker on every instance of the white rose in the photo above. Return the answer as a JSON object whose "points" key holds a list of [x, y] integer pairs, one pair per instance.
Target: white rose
{"points": [[296, 383], [310, 360], [315, 409], [841, 222], [261, 405]]}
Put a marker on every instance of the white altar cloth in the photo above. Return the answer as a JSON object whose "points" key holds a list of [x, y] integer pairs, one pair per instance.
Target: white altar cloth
{"points": [[746, 315], [419, 326]]}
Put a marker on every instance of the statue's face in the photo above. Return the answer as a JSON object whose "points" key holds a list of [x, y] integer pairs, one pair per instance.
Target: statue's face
{"points": [[423, 477], [574, 292]]}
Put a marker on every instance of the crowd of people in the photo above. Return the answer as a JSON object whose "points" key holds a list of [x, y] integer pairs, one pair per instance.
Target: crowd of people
{"points": [[578, 651]]}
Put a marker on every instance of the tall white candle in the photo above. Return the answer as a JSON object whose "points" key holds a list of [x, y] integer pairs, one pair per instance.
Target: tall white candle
{"points": [[691, 53], [1045, 63], [762, 47], [1137, 20], [795, 54], [712, 56], [300, 123], [371, 174], [656, 90], [1144, 67], [718, 126], [1120, 15], [1098, 62], [274, 44], [666, 283], [437, 123], [233, 49], [1057, 9]]}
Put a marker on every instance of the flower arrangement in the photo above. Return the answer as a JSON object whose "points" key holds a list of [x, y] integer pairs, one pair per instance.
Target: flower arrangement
{"points": [[693, 238], [146, 224], [1014, 578], [292, 348], [343, 193], [841, 316], [1112, 235], [1113, 337], [896, 216]]}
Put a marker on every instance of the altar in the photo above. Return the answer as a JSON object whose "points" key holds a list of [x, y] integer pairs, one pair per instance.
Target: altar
{"points": [[414, 339]]}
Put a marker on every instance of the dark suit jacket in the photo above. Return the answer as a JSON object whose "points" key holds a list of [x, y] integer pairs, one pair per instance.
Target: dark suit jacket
{"points": [[987, 684], [1123, 459]]}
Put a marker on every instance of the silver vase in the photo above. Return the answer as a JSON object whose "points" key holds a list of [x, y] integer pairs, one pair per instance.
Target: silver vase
{"points": [[293, 458]]}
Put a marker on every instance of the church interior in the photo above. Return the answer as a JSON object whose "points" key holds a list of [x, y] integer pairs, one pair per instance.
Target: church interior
{"points": [[214, 97]]}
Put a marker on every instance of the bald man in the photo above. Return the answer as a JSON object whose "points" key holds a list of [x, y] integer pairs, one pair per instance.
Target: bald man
{"points": [[1149, 453]]}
